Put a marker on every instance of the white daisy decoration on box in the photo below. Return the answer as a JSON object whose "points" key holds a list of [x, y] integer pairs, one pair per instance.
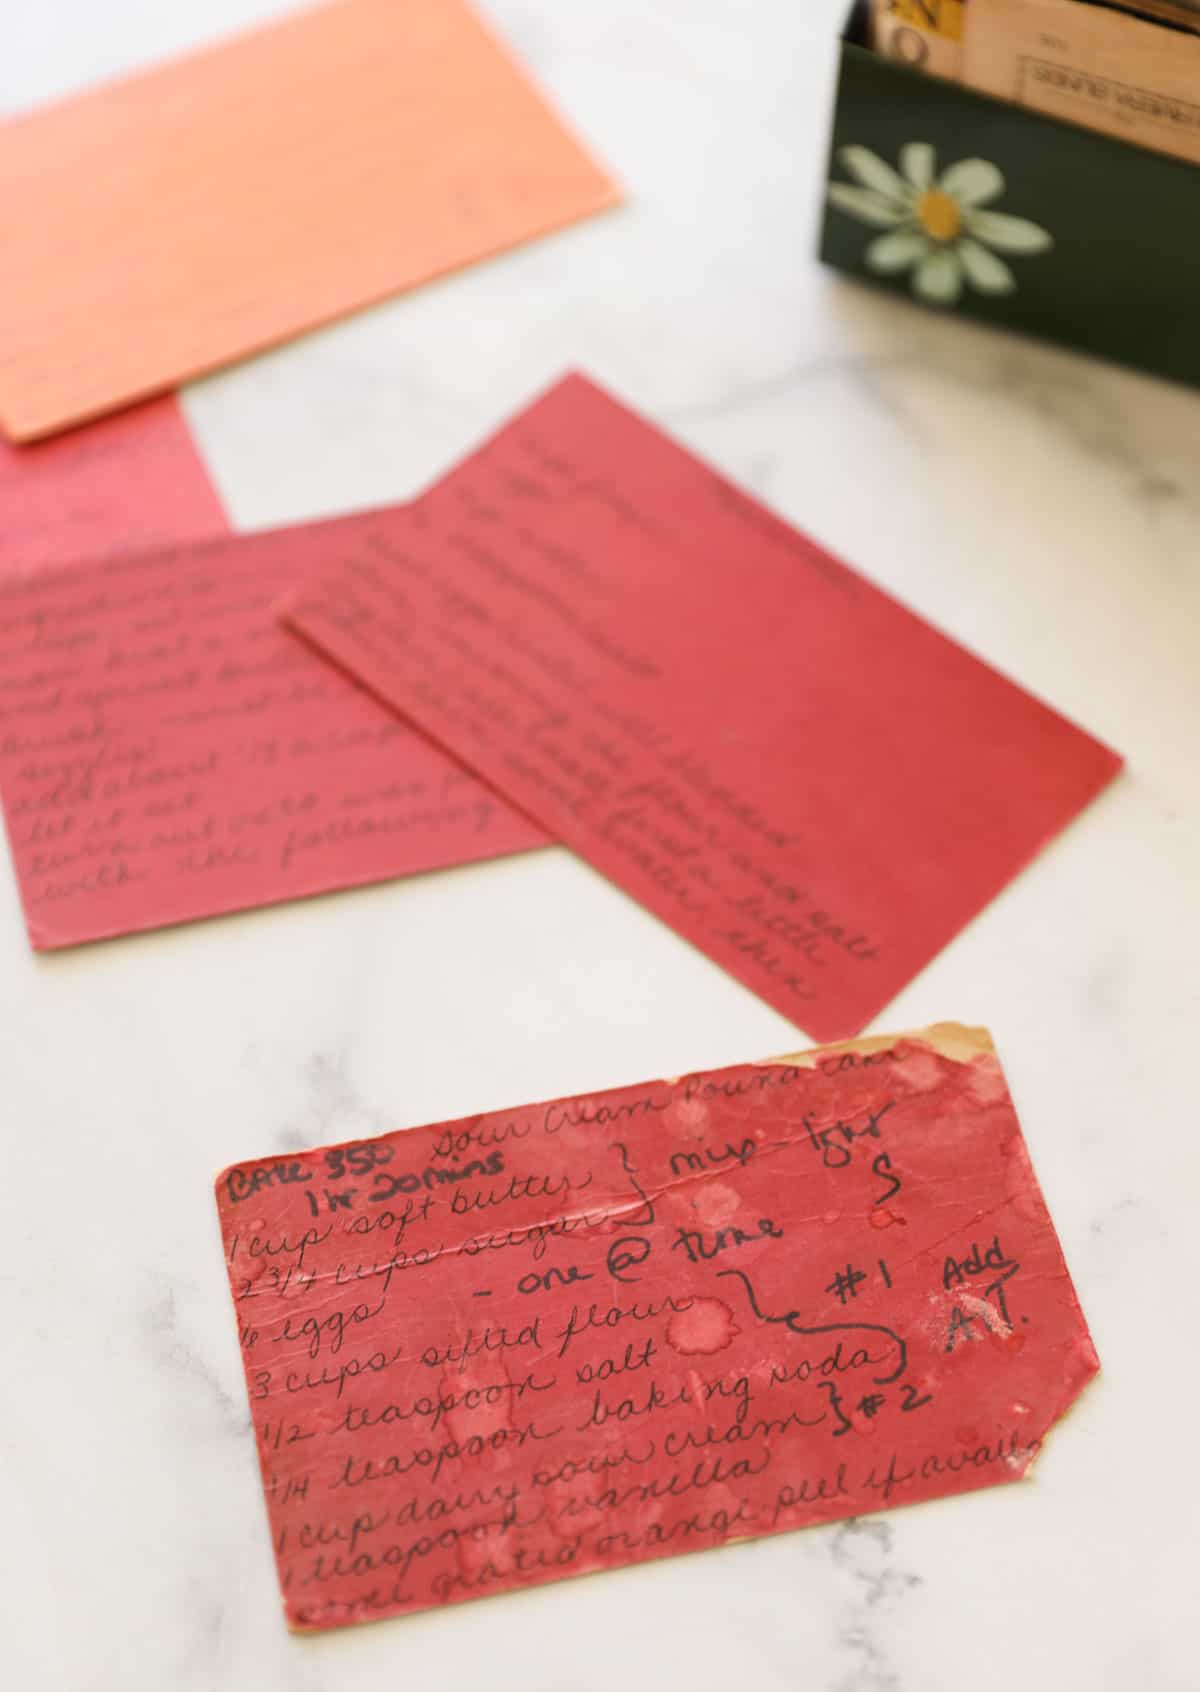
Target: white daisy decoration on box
{"points": [[940, 228]]}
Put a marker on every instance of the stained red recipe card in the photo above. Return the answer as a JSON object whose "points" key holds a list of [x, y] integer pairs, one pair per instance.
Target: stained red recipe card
{"points": [[805, 780], [541, 1342], [134, 480], [168, 752]]}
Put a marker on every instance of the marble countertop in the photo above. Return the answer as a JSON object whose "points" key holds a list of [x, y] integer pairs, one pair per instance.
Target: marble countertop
{"points": [[1044, 509]]}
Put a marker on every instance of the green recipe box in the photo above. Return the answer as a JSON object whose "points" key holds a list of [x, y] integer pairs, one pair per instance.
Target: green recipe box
{"points": [[973, 206]]}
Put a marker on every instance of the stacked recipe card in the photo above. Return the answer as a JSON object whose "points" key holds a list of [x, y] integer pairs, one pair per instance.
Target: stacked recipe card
{"points": [[1130, 71]]}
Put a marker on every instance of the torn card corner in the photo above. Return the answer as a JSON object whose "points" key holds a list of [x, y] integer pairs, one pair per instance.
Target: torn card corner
{"points": [[1085, 1372], [954, 1040]]}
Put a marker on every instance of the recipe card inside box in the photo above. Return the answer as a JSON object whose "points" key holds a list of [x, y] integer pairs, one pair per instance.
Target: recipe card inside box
{"points": [[974, 206]]}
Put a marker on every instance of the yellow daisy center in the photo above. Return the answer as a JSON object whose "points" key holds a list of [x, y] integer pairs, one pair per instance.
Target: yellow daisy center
{"points": [[939, 215]]}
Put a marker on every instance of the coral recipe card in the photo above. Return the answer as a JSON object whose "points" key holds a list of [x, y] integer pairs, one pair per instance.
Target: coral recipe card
{"points": [[134, 480], [540, 1342], [168, 752], [260, 187], [801, 777]]}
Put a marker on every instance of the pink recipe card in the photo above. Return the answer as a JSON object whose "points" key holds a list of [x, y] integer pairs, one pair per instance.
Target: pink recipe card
{"points": [[134, 480], [168, 752], [811, 784]]}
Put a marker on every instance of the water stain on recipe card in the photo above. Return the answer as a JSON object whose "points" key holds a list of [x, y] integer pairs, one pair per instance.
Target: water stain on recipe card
{"points": [[134, 480], [168, 752], [539, 1342], [166, 224], [805, 780]]}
